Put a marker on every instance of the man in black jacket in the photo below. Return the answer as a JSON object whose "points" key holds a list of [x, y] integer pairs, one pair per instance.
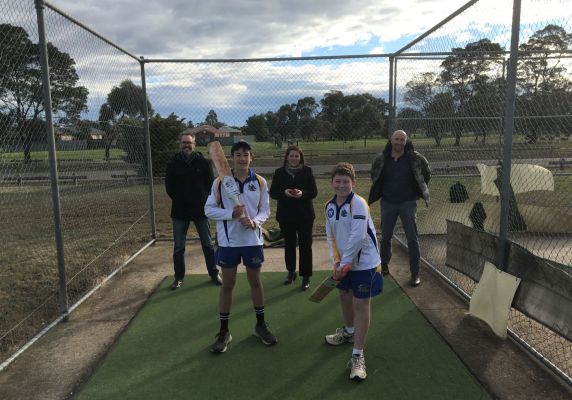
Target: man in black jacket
{"points": [[400, 176], [188, 182]]}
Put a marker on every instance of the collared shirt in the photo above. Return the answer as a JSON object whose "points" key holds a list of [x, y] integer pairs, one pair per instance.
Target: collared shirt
{"points": [[351, 234], [254, 195]]}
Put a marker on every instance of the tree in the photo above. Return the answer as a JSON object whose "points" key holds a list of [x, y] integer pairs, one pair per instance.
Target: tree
{"points": [[287, 121], [420, 90], [463, 71], [410, 120], [125, 102], [164, 133], [212, 119], [256, 126], [128, 100], [543, 83], [21, 86], [440, 113]]}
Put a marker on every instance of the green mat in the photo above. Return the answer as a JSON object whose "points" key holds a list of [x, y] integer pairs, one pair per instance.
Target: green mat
{"points": [[164, 354]]}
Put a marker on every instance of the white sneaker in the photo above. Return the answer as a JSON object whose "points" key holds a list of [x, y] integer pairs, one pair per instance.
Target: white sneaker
{"points": [[357, 365], [340, 337]]}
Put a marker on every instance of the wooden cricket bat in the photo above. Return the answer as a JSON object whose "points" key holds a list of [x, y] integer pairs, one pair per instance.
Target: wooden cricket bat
{"points": [[327, 286], [229, 185]]}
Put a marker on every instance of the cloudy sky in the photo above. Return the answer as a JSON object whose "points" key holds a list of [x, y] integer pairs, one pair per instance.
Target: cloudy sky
{"points": [[255, 28], [217, 29]]}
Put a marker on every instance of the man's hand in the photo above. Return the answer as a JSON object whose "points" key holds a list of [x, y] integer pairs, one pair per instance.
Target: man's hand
{"points": [[340, 272]]}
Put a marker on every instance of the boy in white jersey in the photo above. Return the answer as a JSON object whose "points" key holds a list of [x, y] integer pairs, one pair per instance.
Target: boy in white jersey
{"points": [[240, 238], [352, 240]]}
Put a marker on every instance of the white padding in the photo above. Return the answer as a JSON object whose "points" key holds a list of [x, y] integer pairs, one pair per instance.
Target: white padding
{"points": [[492, 298]]}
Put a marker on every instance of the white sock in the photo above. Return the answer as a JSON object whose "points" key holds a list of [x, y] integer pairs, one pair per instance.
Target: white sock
{"points": [[349, 329], [357, 352]]}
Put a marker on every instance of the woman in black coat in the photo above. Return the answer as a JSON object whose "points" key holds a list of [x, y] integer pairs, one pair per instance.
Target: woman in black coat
{"points": [[294, 187]]}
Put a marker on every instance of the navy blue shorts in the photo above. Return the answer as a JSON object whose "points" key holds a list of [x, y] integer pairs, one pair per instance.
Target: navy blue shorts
{"points": [[364, 284], [230, 257]]}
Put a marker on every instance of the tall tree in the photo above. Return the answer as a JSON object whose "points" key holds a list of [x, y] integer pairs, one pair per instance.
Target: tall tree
{"points": [[544, 84], [465, 69], [21, 85], [125, 102], [212, 119]]}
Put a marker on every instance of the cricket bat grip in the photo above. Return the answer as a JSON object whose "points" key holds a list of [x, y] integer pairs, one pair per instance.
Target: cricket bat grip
{"points": [[339, 273]]}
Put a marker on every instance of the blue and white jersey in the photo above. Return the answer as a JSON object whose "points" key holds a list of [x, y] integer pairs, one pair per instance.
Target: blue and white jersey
{"points": [[351, 233], [254, 195]]}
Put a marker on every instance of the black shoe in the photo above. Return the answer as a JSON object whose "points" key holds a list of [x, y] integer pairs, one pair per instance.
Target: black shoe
{"points": [[263, 333], [305, 283], [415, 281], [385, 269], [216, 280], [176, 284], [291, 277], [223, 338]]}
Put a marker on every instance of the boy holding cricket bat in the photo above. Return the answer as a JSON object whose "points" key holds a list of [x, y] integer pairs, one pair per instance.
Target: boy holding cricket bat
{"points": [[239, 213], [352, 240]]}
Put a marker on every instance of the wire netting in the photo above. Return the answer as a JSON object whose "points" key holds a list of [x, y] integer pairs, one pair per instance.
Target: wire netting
{"points": [[101, 169], [451, 94]]}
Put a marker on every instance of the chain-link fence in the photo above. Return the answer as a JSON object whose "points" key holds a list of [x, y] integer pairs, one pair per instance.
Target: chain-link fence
{"points": [[448, 90], [98, 126]]}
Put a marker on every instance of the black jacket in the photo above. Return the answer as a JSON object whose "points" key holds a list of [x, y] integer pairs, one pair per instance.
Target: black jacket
{"points": [[188, 183], [289, 207], [419, 165]]}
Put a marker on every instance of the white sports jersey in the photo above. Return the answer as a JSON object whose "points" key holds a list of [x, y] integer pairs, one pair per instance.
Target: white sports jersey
{"points": [[351, 234], [254, 195]]}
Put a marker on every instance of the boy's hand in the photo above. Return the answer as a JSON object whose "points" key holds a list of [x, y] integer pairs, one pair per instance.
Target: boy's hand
{"points": [[238, 211], [247, 223], [339, 273]]}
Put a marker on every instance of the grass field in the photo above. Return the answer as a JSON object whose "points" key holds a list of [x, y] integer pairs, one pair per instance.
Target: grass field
{"points": [[165, 352]]}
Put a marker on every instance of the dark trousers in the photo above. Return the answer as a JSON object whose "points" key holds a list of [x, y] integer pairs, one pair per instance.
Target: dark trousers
{"points": [[298, 233], [407, 212], [180, 229]]}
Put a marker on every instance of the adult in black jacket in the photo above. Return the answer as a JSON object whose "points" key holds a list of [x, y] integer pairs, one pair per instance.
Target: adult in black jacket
{"points": [[294, 187], [188, 181]]}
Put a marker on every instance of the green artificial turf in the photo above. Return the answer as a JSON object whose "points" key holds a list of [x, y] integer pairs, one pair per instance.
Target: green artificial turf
{"points": [[164, 354]]}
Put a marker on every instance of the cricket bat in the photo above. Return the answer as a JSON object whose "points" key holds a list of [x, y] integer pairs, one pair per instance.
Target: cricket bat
{"points": [[327, 286], [229, 185]]}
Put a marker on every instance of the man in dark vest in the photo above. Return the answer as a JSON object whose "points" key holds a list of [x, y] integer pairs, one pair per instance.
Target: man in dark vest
{"points": [[188, 181], [400, 176]]}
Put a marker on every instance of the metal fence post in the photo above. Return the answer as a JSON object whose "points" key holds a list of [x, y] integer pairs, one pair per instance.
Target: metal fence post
{"points": [[148, 150], [508, 132], [391, 119], [51, 142]]}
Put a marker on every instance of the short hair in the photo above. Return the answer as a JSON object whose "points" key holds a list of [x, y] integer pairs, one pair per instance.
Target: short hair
{"points": [[241, 144], [344, 168], [293, 147]]}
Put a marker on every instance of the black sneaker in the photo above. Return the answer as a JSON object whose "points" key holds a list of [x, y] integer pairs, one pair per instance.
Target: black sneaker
{"points": [[223, 338], [262, 332], [176, 284], [415, 281]]}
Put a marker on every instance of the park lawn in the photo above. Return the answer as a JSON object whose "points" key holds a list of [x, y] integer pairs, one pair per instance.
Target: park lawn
{"points": [[164, 354]]}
